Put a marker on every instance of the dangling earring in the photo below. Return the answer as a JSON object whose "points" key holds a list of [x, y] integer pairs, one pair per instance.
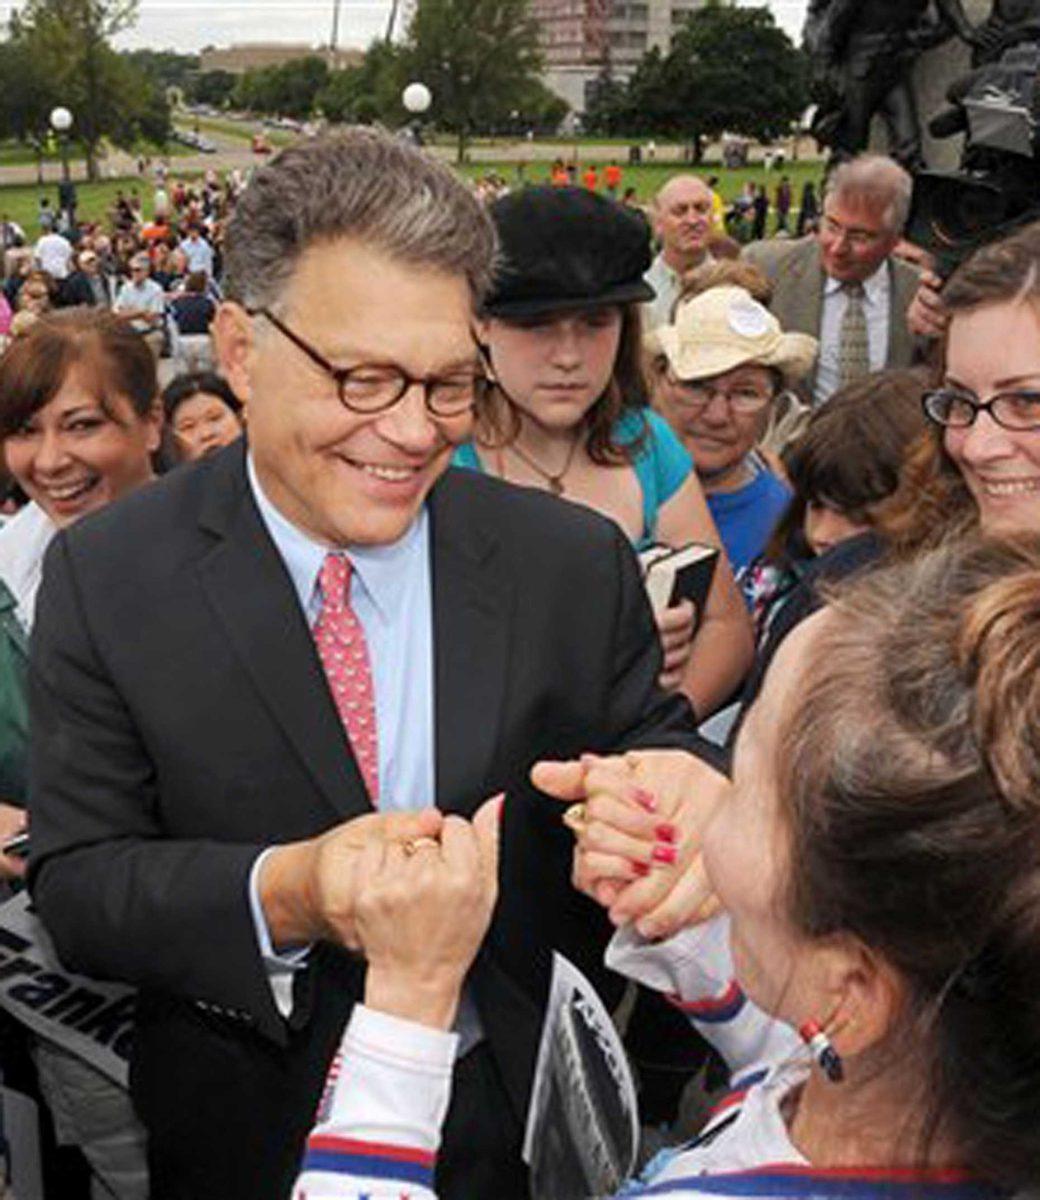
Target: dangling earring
{"points": [[822, 1049]]}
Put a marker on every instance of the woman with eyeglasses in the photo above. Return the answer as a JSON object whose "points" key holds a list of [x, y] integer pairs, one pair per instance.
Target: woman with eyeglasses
{"points": [[980, 466], [717, 373], [568, 411]]}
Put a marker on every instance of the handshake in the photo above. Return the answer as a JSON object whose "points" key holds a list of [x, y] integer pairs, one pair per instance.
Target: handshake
{"points": [[414, 891]]}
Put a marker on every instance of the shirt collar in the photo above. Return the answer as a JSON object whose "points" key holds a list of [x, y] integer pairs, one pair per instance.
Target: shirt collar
{"points": [[379, 569], [874, 287]]}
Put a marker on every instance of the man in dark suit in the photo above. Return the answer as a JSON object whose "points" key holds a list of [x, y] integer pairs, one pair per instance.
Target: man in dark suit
{"points": [[844, 281], [87, 285], [214, 715]]}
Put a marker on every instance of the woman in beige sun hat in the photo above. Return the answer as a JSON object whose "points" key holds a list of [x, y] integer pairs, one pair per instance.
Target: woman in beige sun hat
{"points": [[718, 371]]}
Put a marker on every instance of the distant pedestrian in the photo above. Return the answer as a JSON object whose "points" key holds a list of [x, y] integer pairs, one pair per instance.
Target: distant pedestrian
{"points": [[783, 203], [760, 209], [590, 177], [612, 179], [809, 213], [718, 205]]}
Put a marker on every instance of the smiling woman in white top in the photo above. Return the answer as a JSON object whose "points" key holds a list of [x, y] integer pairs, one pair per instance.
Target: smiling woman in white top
{"points": [[79, 422]]}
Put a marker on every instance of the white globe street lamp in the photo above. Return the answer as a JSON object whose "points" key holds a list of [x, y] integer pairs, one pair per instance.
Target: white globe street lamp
{"points": [[61, 119], [416, 98], [61, 123]]}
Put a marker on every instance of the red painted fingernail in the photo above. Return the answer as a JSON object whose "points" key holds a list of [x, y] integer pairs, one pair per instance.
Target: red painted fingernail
{"points": [[666, 833], [645, 799], [640, 868], [664, 854]]}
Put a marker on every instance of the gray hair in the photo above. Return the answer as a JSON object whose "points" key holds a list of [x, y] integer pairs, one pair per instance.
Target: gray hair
{"points": [[355, 183], [875, 182]]}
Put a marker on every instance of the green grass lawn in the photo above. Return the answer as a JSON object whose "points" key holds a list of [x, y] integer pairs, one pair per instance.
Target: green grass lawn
{"points": [[14, 154], [648, 178], [21, 201]]}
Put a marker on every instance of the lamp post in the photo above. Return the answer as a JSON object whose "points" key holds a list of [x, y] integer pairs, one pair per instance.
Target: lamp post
{"points": [[417, 99], [61, 123]]}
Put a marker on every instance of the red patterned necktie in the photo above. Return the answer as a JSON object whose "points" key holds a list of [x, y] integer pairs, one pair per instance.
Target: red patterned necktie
{"points": [[343, 650]]}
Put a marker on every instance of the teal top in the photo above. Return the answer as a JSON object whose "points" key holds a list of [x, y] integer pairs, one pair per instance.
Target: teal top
{"points": [[661, 466]]}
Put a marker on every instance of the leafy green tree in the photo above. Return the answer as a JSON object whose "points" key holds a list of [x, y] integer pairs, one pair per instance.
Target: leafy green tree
{"points": [[479, 58], [606, 109], [108, 94], [211, 87], [166, 68], [370, 92], [743, 74], [729, 69], [287, 90], [297, 83]]}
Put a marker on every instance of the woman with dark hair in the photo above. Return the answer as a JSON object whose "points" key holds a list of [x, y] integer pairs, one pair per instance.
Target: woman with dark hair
{"points": [[569, 409], [843, 471], [79, 423], [202, 414], [979, 467], [871, 972]]}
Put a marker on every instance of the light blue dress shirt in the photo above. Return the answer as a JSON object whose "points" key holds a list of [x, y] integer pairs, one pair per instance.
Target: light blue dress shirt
{"points": [[390, 593]]}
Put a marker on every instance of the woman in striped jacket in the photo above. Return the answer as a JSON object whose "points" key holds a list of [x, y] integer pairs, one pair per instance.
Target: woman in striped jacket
{"points": [[854, 920]]}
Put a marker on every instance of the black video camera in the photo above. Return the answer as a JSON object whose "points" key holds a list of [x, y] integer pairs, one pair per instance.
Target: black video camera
{"points": [[997, 188]]}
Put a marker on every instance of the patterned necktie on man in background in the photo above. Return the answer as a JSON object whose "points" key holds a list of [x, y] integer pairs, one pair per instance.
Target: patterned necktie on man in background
{"points": [[853, 345]]}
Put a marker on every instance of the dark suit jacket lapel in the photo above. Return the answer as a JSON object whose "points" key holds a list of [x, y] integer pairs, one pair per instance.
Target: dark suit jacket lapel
{"points": [[471, 619], [250, 591]]}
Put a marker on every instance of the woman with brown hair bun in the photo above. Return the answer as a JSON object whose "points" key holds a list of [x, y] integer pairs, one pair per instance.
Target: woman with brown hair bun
{"points": [[871, 972]]}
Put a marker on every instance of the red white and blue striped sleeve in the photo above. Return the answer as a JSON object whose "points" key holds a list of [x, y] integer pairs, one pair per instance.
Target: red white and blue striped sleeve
{"points": [[694, 971], [378, 1126]]}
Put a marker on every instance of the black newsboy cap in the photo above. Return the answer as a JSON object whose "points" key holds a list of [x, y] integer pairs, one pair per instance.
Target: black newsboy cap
{"points": [[566, 247]]}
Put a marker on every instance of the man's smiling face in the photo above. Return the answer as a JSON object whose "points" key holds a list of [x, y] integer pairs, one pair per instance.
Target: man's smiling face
{"points": [[345, 477]]}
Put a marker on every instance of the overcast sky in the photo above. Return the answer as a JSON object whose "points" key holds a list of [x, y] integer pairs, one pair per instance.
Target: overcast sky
{"points": [[188, 25]]}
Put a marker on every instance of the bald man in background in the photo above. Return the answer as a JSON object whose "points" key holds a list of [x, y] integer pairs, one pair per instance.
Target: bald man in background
{"points": [[682, 220]]}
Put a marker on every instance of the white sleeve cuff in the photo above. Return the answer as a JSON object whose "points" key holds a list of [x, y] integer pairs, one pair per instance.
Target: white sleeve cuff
{"points": [[279, 964], [390, 1081]]}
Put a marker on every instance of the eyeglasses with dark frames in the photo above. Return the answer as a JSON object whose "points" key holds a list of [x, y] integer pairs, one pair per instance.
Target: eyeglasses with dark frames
{"points": [[741, 398], [373, 388], [955, 409]]}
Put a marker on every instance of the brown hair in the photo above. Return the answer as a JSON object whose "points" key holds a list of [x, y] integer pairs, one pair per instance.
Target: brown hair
{"points": [[116, 359], [909, 776], [933, 500], [498, 422], [850, 455], [727, 273]]}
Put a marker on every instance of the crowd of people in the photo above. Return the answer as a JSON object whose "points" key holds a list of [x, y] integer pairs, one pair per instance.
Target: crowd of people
{"points": [[334, 701]]}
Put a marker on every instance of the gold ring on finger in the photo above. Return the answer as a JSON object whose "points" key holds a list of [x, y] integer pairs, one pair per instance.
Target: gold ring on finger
{"points": [[576, 818], [414, 845]]}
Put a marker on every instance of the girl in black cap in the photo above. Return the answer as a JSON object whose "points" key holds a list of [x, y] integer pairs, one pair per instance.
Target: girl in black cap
{"points": [[561, 330]]}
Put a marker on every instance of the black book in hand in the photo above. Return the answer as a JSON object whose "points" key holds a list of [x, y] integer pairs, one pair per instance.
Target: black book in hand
{"points": [[672, 576]]}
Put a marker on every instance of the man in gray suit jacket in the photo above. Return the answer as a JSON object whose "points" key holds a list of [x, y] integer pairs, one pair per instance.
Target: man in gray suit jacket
{"points": [[848, 261]]}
